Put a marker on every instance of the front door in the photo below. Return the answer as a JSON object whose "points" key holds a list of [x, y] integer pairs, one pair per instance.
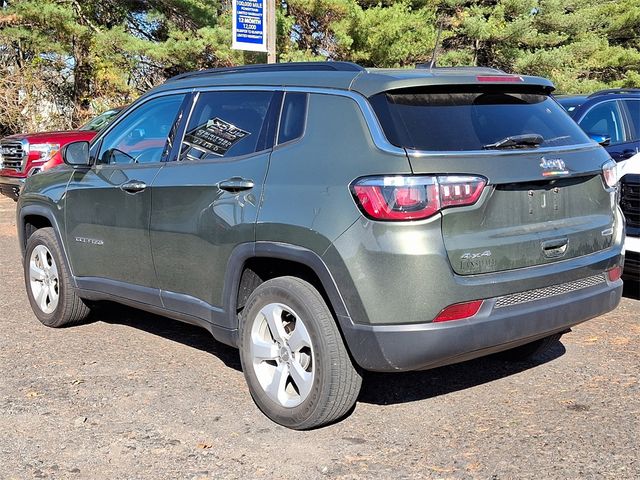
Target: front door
{"points": [[109, 205], [607, 120], [206, 202]]}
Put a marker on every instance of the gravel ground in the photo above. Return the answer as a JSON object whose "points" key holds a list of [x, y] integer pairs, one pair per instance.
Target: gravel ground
{"points": [[136, 396]]}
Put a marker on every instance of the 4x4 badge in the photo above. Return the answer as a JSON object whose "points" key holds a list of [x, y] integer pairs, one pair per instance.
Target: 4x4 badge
{"points": [[552, 167], [471, 256]]}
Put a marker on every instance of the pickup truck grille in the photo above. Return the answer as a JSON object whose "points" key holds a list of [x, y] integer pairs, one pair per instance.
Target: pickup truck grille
{"points": [[14, 154], [630, 200]]}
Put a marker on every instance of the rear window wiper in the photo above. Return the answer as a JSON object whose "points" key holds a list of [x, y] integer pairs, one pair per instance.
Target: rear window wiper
{"points": [[516, 141]]}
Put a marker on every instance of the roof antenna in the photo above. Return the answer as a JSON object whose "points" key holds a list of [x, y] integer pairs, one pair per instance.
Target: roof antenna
{"points": [[432, 62]]}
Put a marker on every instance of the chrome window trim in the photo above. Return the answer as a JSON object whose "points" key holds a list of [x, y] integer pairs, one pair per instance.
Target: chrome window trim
{"points": [[375, 128]]}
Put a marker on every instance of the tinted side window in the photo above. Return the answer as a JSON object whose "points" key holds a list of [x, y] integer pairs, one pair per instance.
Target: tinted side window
{"points": [[293, 117], [142, 135], [227, 124], [632, 109], [604, 120]]}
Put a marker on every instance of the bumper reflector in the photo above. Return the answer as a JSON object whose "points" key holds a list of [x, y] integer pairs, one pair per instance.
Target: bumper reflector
{"points": [[459, 311]]}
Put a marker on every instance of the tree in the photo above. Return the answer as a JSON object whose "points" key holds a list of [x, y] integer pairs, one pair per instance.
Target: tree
{"points": [[81, 56], [583, 45], [98, 54]]}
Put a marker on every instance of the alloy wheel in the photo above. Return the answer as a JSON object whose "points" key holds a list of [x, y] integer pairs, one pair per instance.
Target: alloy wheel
{"points": [[44, 279], [282, 355]]}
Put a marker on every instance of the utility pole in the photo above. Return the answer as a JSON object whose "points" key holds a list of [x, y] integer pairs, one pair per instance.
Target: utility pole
{"points": [[271, 31], [254, 26]]}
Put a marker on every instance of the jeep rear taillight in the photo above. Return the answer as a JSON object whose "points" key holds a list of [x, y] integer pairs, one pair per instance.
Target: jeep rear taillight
{"points": [[399, 198], [458, 191]]}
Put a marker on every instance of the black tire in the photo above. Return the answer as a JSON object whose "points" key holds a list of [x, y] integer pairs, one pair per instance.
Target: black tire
{"points": [[69, 309], [531, 350], [335, 383]]}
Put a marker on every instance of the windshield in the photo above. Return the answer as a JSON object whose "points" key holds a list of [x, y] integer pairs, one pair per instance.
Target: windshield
{"points": [[458, 120], [100, 121]]}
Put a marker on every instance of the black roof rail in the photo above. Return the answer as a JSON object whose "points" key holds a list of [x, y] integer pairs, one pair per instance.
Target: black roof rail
{"points": [[274, 67], [619, 91]]}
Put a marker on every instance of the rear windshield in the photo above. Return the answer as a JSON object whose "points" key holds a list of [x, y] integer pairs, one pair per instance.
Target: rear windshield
{"points": [[424, 119]]}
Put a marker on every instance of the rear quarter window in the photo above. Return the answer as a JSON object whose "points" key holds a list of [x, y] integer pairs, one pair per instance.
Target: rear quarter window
{"points": [[293, 117], [460, 120]]}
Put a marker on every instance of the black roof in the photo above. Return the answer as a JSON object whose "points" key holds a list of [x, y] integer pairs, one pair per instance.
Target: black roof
{"points": [[616, 91]]}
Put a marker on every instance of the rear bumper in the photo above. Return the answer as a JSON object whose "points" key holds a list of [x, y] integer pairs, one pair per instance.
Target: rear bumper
{"points": [[429, 345], [11, 186]]}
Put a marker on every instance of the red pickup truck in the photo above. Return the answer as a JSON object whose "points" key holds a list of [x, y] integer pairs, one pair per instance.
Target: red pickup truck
{"points": [[23, 155]]}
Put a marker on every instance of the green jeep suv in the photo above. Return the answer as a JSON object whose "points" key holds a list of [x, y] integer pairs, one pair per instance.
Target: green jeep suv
{"points": [[327, 219]]}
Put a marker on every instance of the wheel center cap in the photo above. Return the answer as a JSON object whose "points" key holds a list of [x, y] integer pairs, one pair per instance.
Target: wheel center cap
{"points": [[285, 354]]}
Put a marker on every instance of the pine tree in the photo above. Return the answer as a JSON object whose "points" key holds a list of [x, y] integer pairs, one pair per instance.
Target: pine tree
{"points": [[85, 55]]}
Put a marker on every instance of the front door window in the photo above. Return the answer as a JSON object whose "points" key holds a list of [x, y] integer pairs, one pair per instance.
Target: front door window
{"points": [[142, 136]]}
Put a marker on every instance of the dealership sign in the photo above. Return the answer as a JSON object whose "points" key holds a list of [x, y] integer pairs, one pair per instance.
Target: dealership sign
{"points": [[250, 25]]}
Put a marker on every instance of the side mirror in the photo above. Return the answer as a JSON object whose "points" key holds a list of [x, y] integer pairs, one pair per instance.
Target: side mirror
{"points": [[76, 154], [601, 139]]}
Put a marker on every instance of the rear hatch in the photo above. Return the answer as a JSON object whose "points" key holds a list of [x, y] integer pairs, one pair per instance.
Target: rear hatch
{"points": [[545, 199]]}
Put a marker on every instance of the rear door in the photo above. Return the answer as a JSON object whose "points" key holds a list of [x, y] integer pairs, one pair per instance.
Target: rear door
{"points": [[109, 205], [206, 201], [542, 204]]}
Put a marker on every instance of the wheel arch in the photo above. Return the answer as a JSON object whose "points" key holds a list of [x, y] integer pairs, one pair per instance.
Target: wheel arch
{"points": [[251, 264], [33, 217]]}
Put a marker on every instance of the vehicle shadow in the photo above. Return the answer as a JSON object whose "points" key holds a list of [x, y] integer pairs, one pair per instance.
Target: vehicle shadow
{"points": [[377, 388], [173, 330], [393, 388]]}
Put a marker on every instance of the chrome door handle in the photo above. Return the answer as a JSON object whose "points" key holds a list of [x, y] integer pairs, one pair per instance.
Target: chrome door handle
{"points": [[133, 186], [236, 184]]}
